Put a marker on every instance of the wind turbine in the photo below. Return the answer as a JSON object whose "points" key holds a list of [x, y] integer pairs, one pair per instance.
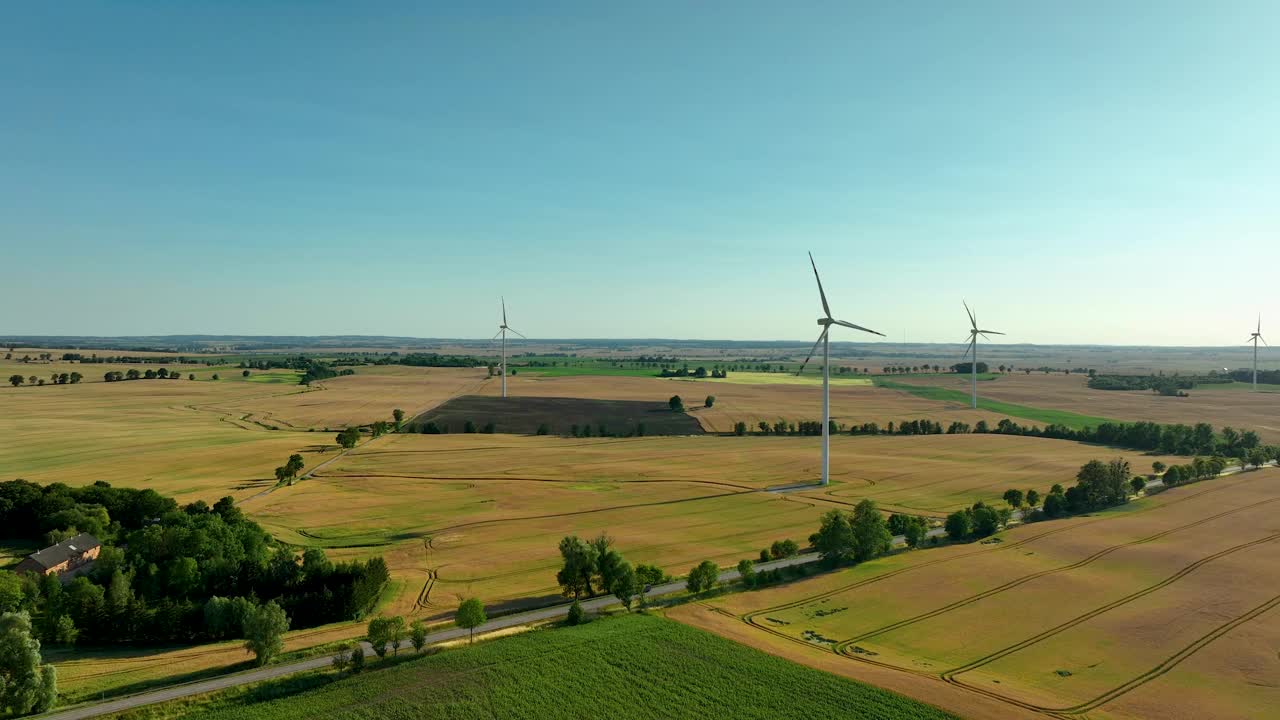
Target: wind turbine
{"points": [[974, 332], [826, 321], [502, 330], [1254, 338]]}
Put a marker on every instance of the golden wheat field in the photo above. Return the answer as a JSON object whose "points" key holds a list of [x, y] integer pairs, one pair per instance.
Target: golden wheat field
{"points": [[752, 402], [460, 515], [1162, 608]]}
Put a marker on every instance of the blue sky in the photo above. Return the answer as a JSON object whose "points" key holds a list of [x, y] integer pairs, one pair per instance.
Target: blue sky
{"points": [[1080, 172]]}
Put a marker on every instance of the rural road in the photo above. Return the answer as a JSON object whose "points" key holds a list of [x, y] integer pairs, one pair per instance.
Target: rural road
{"points": [[274, 671]]}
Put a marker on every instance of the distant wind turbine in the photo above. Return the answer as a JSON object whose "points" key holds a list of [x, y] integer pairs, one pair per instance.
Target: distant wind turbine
{"points": [[826, 321], [974, 332], [1254, 338], [502, 330]]}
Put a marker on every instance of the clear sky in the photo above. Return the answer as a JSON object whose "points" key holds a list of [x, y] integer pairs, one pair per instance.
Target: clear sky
{"points": [[1085, 172]]}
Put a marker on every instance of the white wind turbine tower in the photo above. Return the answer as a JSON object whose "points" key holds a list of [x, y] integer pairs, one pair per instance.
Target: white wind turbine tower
{"points": [[1254, 338], [502, 330], [826, 321], [974, 332]]}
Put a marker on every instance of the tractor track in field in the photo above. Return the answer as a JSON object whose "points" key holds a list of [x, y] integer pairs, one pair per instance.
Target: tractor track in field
{"points": [[1175, 659], [752, 618], [950, 675], [998, 548], [841, 647]]}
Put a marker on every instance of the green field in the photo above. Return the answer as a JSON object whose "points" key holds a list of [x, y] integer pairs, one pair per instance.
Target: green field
{"points": [[637, 666], [13, 551], [588, 369], [758, 378], [1043, 415]]}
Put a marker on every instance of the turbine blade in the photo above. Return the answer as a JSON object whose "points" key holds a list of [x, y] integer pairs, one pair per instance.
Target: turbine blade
{"points": [[511, 329], [504, 310], [992, 332], [813, 350], [858, 327], [968, 348], [1264, 340], [495, 336], [973, 320], [825, 308]]}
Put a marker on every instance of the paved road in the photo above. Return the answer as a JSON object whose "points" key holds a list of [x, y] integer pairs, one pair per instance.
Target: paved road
{"points": [[274, 671]]}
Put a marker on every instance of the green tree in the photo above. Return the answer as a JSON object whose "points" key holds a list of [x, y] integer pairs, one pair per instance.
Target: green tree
{"points": [[871, 537], [349, 437], [398, 415], [986, 520], [1013, 497], [1158, 467], [747, 571], [357, 659], [385, 633], [578, 567], [676, 404], [1137, 484], [834, 540], [575, 614], [65, 630], [26, 684], [710, 401], [1033, 498], [703, 577], [1257, 457], [914, 533], [12, 594], [739, 428], [342, 658], [16, 380], [959, 525], [264, 629], [244, 374], [418, 635], [215, 375], [470, 615]]}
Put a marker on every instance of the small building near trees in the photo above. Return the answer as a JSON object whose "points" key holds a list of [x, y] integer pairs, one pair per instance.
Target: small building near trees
{"points": [[65, 557]]}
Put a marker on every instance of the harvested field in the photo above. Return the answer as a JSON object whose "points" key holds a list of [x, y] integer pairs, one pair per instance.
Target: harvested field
{"points": [[371, 394], [1220, 406], [525, 415], [1106, 614], [851, 402], [437, 505], [149, 433]]}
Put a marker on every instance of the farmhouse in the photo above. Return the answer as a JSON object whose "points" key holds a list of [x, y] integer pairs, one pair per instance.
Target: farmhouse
{"points": [[64, 557]]}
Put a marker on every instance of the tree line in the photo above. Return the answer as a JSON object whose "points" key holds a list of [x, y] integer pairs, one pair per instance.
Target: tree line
{"points": [[167, 573], [72, 378], [1171, 439], [135, 374]]}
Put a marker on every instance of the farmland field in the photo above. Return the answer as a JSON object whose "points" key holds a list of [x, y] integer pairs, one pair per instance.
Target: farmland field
{"points": [[853, 400], [371, 394], [437, 506], [147, 433], [1162, 608], [525, 415], [1217, 405], [637, 666]]}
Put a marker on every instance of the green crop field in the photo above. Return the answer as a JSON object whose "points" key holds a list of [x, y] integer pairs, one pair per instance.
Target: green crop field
{"points": [[585, 369], [755, 378], [1042, 415], [637, 666]]}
